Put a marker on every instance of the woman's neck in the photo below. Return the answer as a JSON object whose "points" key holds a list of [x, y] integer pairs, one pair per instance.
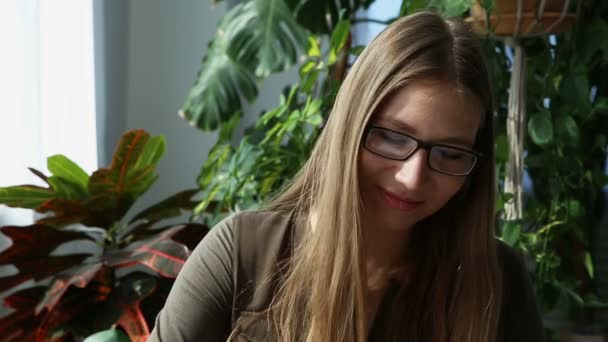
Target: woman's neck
{"points": [[385, 254]]}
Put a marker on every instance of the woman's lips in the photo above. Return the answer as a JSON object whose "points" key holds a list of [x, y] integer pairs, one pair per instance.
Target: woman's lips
{"points": [[397, 202]]}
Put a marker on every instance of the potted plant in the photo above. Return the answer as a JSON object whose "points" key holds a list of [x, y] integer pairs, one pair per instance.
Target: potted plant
{"points": [[521, 18], [98, 287]]}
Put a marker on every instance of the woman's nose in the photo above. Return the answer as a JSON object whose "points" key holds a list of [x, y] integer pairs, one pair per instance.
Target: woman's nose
{"points": [[413, 172]]}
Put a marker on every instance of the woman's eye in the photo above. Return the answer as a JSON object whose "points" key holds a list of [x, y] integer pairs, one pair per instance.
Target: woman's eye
{"points": [[453, 155], [394, 139]]}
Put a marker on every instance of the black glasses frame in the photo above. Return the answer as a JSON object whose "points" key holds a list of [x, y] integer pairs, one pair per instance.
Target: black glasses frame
{"points": [[424, 145]]}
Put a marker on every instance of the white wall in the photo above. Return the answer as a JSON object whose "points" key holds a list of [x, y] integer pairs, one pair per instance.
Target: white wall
{"points": [[166, 42]]}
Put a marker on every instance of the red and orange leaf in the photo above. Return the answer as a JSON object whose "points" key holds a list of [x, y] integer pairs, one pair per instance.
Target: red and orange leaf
{"points": [[65, 212], [74, 303], [79, 276], [16, 326], [129, 149], [40, 268], [166, 257], [133, 322], [122, 183], [34, 241]]}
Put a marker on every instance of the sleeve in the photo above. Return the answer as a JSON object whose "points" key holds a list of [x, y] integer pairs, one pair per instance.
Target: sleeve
{"points": [[521, 319], [199, 305]]}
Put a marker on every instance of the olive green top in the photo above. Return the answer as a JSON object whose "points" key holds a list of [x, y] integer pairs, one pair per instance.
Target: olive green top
{"points": [[226, 284]]}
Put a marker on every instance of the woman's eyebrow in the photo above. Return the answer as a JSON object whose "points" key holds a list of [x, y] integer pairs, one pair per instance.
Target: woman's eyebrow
{"points": [[403, 127]]}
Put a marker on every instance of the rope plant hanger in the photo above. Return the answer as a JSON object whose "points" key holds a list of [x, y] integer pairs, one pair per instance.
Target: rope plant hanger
{"points": [[528, 18]]}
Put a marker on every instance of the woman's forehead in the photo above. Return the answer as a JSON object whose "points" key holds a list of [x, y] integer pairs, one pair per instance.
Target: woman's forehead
{"points": [[432, 110]]}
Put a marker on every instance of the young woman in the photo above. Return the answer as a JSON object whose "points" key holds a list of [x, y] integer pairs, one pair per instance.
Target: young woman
{"points": [[387, 233]]}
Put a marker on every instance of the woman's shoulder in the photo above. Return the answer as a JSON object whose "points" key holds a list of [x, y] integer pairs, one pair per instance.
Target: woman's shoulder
{"points": [[258, 227], [262, 238]]}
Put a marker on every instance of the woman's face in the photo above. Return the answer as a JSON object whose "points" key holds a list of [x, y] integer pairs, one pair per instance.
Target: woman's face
{"points": [[398, 194]]}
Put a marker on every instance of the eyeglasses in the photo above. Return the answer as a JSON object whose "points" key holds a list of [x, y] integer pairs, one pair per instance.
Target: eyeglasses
{"points": [[399, 146]]}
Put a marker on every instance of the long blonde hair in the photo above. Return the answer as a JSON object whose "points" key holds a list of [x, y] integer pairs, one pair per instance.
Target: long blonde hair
{"points": [[456, 288]]}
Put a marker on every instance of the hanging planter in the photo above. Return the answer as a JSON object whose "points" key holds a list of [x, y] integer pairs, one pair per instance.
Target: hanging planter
{"points": [[522, 17]]}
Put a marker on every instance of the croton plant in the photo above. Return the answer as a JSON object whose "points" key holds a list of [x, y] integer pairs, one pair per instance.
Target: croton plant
{"points": [[118, 285]]}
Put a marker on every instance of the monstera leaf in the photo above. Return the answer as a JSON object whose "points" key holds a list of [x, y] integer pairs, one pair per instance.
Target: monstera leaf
{"points": [[308, 12], [254, 39]]}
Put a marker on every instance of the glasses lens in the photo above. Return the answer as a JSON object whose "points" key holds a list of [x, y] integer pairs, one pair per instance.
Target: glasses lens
{"points": [[389, 144], [452, 161]]}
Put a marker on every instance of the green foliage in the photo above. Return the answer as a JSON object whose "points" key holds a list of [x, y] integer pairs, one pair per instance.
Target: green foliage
{"points": [[565, 154], [257, 38]]}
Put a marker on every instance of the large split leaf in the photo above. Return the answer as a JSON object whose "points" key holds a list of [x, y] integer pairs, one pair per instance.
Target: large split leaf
{"points": [[309, 13], [255, 38]]}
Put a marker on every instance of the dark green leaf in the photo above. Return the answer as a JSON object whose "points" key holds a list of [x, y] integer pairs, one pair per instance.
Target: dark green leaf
{"points": [[65, 189], [540, 128], [511, 233], [566, 129], [255, 38], [216, 94], [411, 6], [502, 148], [169, 207], [575, 89], [25, 196], [589, 265], [451, 8], [601, 105], [571, 292], [39, 174], [338, 38], [575, 208], [267, 29]]}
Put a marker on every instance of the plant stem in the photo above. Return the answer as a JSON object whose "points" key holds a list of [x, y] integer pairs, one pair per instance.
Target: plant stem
{"points": [[372, 20]]}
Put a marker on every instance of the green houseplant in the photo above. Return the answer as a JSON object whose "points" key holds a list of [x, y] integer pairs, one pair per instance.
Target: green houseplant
{"points": [[87, 292]]}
